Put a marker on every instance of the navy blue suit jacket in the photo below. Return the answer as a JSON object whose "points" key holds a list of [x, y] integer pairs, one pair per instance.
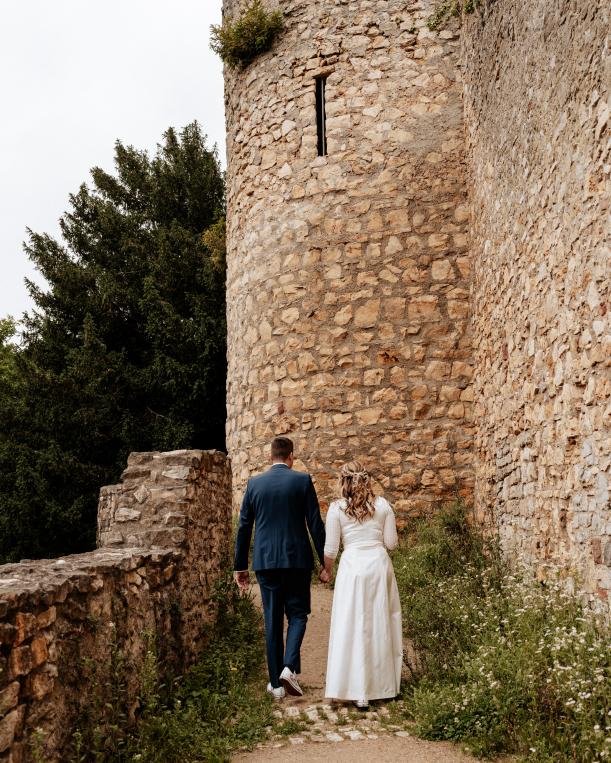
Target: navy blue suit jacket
{"points": [[282, 505]]}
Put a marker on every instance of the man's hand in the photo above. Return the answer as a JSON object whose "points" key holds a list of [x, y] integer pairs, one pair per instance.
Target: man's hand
{"points": [[242, 578], [324, 576]]}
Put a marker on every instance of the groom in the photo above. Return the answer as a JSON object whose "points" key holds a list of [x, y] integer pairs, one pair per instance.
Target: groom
{"points": [[280, 503]]}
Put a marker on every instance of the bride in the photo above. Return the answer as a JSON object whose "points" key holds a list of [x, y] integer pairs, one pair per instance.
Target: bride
{"points": [[365, 642]]}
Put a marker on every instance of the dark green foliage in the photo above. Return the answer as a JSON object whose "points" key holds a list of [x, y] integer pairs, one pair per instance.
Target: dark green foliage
{"points": [[126, 348], [238, 41], [508, 665], [8, 356]]}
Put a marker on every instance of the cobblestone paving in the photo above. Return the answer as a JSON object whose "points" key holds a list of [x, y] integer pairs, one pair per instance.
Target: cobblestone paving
{"points": [[332, 723]]}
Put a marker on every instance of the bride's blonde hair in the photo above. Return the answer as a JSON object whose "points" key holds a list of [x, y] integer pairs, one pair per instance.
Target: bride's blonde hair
{"points": [[355, 487]]}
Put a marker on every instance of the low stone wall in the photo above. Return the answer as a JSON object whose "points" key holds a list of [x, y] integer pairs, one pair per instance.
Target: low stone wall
{"points": [[70, 627], [536, 112]]}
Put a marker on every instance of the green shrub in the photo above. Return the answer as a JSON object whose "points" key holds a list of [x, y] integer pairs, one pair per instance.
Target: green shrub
{"points": [[239, 40], [508, 665], [439, 550]]}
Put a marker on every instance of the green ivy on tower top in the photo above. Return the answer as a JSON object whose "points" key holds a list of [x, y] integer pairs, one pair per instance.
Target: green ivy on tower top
{"points": [[243, 37]]}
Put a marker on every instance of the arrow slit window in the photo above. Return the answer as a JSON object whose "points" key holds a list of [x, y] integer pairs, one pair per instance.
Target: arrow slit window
{"points": [[321, 115]]}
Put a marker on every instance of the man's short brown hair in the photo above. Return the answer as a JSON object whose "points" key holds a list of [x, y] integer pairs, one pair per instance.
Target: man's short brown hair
{"points": [[282, 448]]}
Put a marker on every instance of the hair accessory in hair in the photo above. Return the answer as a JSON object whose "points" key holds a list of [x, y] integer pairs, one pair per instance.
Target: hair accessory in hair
{"points": [[355, 487]]}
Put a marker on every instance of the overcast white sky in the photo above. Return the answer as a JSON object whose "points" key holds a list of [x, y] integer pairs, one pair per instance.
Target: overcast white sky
{"points": [[78, 74]]}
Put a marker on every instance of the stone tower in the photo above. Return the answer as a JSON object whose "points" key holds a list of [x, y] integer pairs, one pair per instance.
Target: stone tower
{"points": [[348, 271]]}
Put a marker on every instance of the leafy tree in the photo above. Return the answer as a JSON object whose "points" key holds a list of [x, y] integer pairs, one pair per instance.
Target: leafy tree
{"points": [[125, 349]]}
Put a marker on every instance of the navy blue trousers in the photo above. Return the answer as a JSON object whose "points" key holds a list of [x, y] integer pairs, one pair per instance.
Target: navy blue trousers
{"points": [[284, 592]]}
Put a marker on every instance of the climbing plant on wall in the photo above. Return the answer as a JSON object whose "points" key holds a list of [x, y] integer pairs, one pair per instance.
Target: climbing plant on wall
{"points": [[449, 9]]}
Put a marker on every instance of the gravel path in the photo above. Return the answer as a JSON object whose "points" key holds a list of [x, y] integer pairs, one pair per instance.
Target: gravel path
{"points": [[338, 732]]}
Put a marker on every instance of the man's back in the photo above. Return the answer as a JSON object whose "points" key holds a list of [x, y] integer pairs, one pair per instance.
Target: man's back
{"points": [[282, 504]]}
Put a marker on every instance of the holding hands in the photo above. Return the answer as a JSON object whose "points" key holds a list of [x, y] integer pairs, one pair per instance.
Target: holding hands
{"points": [[326, 572], [242, 578]]}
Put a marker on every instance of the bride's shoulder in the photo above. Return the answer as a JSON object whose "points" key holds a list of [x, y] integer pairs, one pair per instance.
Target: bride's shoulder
{"points": [[382, 504], [338, 505]]}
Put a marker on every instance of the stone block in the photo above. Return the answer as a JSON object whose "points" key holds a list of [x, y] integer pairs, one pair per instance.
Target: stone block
{"points": [[369, 416], [9, 697], [424, 308], [38, 685], [20, 661], [441, 270], [366, 315], [25, 623], [438, 369], [46, 618], [125, 514], [10, 727], [177, 473]]}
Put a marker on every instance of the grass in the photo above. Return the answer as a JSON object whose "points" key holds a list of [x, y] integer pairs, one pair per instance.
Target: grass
{"points": [[507, 665], [291, 726]]}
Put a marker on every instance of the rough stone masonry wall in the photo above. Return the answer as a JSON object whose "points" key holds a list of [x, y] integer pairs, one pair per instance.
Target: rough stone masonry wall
{"points": [[163, 538], [348, 274], [536, 107]]}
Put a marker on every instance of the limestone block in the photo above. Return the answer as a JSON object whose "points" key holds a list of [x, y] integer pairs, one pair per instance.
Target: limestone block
{"points": [[367, 315], [438, 369], [125, 514], [38, 685], [424, 307], [9, 697], [176, 473], [373, 376], [25, 623], [46, 618], [20, 661], [441, 270], [343, 316], [369, 416], [10, 727]]}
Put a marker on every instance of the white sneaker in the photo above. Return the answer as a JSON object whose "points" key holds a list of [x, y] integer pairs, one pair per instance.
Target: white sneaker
{"points": [[289, 680], [362, 704], [278, 693]]}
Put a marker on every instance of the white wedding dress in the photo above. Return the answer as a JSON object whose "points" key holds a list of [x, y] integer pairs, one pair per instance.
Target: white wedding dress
{"points": [[366, 639]]}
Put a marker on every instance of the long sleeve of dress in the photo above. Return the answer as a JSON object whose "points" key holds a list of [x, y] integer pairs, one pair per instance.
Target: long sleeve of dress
{"points": [[391, 539], [334, 532]]}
